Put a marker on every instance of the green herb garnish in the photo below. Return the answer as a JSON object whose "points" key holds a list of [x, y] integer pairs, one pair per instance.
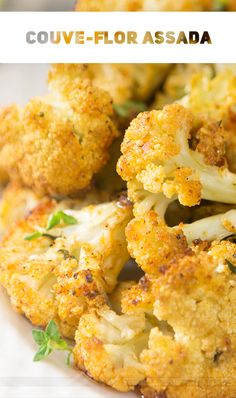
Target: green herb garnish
{"points": [[231, 267], [54, 219], [50, 340], [33, 236], [58, 218], [129, 107]]}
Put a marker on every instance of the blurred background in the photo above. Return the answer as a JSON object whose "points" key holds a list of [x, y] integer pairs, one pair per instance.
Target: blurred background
{"points": [[20, 82], [37, 5]]}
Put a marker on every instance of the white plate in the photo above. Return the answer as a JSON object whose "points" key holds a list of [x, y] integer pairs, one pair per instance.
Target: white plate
{"points": [[20, 377]]}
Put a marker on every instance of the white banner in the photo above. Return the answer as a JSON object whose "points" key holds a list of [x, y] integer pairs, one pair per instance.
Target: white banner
{"points": [[150, 37]]}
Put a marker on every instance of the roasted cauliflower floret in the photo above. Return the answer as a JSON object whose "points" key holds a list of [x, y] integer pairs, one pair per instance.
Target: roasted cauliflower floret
{"points": [[144, 5], [108, 347], [178, 83], [66, 260], [213, 98], [124, 82], [157, 160], [186, 316], [196, 297], [57, 143], [127, 82], [153, 244]]}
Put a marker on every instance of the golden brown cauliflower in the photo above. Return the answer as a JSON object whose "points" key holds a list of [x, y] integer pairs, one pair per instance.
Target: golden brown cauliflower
{"points": [[144, 5], [196, 298], [186, 348], [154, 245], [57, 143], [160, 166], [15, 204], [178, 83], [108, 347], [213, 98], [59, 261], [126, 82]]}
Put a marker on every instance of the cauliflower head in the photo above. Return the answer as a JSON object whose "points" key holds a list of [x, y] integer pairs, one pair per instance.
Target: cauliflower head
{"points": [[59, 261], [158, 161], [57, 143]]}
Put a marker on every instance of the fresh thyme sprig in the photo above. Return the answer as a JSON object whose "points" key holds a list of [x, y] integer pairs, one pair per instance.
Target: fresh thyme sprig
{"points": [[54, 219], [48, 341]]}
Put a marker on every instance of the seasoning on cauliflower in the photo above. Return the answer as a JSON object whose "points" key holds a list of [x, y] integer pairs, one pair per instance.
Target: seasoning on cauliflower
{"points": [[144, 5], [58, 261], [157, 160], [57, 143]]}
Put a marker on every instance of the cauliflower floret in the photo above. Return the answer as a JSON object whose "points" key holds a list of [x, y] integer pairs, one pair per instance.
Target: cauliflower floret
{"points": [[157, 159], [144, 5], [187, 318], [124, 82], [196, 297], [115, 298], [213, 98], [108, 347], [153, 244], [55, 264], [127, 82], [57, 143], [178, 83]]}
